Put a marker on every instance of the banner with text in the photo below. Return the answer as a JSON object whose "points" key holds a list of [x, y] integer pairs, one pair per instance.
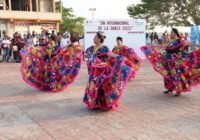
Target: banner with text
{"points": [[132, 31]]}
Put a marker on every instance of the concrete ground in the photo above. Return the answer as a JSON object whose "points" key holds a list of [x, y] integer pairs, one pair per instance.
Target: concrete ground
{"points": [[145, 114]]}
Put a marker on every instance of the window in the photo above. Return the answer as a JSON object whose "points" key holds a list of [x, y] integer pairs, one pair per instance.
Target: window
{"points": [[3, 29], [1, 4]]}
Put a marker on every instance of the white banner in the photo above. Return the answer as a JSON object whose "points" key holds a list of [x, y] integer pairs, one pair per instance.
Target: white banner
{"points": [[132, 31]]}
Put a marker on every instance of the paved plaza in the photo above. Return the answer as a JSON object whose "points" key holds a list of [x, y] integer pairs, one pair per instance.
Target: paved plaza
{"points": [[145, 113]]}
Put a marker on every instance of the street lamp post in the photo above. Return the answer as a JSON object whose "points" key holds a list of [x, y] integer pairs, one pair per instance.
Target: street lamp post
{"points": [[92, 10]]}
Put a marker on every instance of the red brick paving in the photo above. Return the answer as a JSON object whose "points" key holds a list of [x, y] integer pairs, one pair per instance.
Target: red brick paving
{"points": [[145, 114]]}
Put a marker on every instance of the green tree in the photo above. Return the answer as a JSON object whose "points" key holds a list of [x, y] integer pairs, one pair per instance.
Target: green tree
{"points": [[167, 12], [70, 23]]}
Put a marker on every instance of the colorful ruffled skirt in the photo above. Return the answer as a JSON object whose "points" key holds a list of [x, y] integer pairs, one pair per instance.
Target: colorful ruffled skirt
{"points": [[178, 69], [133, 60], [50, 69], [195, 71], [106, 83]]}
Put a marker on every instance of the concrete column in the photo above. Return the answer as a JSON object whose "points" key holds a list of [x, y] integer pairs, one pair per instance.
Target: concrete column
{"points": [[53, 6], [4, 4], [57, 27], [61, 6], [37, 6], [10, 8], [8, 29], [31, 5]]}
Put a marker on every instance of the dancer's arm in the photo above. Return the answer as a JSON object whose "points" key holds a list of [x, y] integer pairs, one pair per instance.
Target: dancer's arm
{"points": [[111, 54], [190, 44], [86, 55]]}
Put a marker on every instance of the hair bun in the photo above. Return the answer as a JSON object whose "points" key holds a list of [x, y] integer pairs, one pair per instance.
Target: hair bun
{"points": [[74, 37], [176, 32], [101, 36]]}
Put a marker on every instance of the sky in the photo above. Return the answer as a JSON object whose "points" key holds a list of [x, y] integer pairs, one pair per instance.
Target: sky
{"points": [[105, 9]]}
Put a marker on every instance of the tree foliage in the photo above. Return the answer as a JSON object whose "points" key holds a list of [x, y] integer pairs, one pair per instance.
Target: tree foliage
{"points": [[167, 12], [70, 23]]}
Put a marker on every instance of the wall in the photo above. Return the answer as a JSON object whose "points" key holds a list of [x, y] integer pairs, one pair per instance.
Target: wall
{"points": [[45, 5], [3, 28], [22, 15]]}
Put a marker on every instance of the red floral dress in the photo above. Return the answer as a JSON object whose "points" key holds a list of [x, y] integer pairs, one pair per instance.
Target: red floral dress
{"points": [[107, 79], [181, 71], [50, 68]]}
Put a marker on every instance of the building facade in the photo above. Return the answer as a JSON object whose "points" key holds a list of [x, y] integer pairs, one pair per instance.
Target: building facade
{"points": [[25, 16]]}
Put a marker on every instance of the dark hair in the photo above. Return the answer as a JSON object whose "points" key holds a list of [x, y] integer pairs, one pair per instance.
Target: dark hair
{"points": [[74, 37], [101, 36], [120, 38], [176, 32], [28, 36]]}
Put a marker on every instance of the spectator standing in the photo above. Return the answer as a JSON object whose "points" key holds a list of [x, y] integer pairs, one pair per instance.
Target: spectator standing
{"points": [[153, 37], [65, 41], [147, 37], [187, 37], [17, 41], [35, 40], [54, 36], [29, 41], [59, 35], [42, 37], [6, 44], [33, 34]]}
